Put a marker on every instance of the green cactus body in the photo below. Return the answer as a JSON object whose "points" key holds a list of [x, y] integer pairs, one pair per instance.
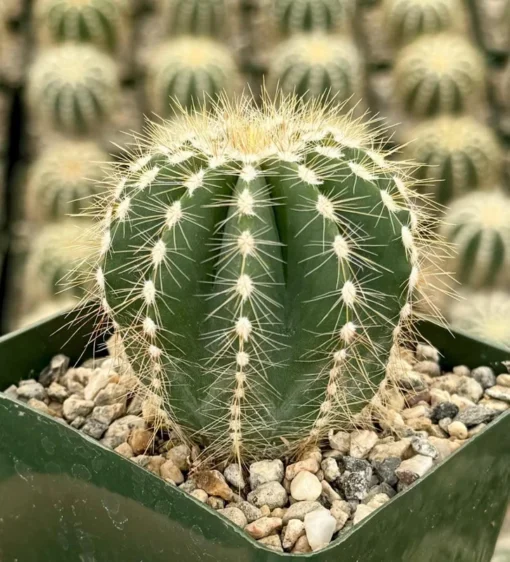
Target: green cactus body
{"points": [[440, 74], [73, 88], [478, 225], [408, 19], [301, 16], [59, 261], [484, 316], [459, 155], [100, 22], [318, 66], [259, 266], [189, 72], [199, 18], [64, 181]]}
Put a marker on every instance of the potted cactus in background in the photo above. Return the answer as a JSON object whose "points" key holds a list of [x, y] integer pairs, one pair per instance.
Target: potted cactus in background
{"points": [[260, 269]]}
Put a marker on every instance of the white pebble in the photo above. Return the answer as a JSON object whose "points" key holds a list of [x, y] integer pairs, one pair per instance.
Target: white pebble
{"points": [[319, 526], [305, 487]]}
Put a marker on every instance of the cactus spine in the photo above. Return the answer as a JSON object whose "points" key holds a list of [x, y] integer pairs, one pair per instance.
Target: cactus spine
{"points": [[479, 225], [64, 181], [301, 16], [202, 18], [483, 316], [440, 74], [102, 23], [73, 88], [259, 265], [318, 66], [460, 155], [189, 72], [408, 19]]}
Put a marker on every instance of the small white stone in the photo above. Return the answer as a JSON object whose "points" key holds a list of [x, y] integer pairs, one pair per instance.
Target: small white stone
{"points": [[235, 515], [340, 441], [362, 511], [265, 471], [319, 527], [305, 487], [458, 430], [362, 442], [295, 529]]}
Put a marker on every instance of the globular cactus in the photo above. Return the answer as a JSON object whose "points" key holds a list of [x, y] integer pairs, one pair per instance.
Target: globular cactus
{"points": [[189, 73], [318, 66], [59, 261], [73, 88], [103, 23], [479, 227], [64, 181], [259, 265], [439, 74], [405, 20], [199, 18], [301, 16], [459, 155], [484, 316]]}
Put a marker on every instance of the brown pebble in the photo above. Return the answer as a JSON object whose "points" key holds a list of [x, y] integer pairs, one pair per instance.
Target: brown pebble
{"points": [[214, 483], [140, 439], [125, 450], [302, 545], [170, 471], [263, 527]]}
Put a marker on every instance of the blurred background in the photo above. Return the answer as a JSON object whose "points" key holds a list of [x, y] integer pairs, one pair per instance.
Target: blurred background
{"points": [[76, 75]]}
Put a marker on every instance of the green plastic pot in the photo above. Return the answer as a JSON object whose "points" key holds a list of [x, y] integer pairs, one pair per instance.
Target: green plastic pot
{"points": [[65, 498]]}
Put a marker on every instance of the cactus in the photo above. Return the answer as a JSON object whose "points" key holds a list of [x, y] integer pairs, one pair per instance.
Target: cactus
{"points": [[200, 18], [299, 16], [259, 265], [484, 316], [73, 88], [189, 72], [408, 19], [64, 181], [318, 66], [479, 225], [440, 74], [102, 23], [59, 261], [460, 155]]}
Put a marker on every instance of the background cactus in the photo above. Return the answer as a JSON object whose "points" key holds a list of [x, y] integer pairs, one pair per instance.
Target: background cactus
{"points": [[259, 265], [483, 315], [190, 71], [64, 181], [73, 88], [459, 155], [318, 66], [59, 262], [207, 18], [479, 226], [299, 16], [440, 74], [408, 19], [100, 22]]}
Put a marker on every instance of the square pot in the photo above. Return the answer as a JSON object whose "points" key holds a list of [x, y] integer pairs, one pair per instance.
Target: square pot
{"points": [[65, 498]]}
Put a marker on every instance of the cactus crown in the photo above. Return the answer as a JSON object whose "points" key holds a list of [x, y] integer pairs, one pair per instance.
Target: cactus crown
{"points": [[484, 316], [460, 155], [73, 87], [189, 72], [318, 66], [195, 17], [440, 74], [259, 265], [59, 262], [298, 16], [479, 225], [100, 22], [64, 181], [408, 19]]}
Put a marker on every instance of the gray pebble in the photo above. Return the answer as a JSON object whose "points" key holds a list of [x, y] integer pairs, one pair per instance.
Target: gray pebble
{"points": [[120, 429], [234, 475], [251, 512], [298, 510], [272, 494], [74, 407], [380, 489], [356, 478], [78, 422], [189, 486], [430, 368], [498, 392], [484, 376], [423, 447], [462, 371], [113, 393], [235, 515], [412, 469], [265, 471], [444, 423], [94, 428], [57, 392], [474, 415], [31, 390], [386, 469], [56, 369], [444, 410]]}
